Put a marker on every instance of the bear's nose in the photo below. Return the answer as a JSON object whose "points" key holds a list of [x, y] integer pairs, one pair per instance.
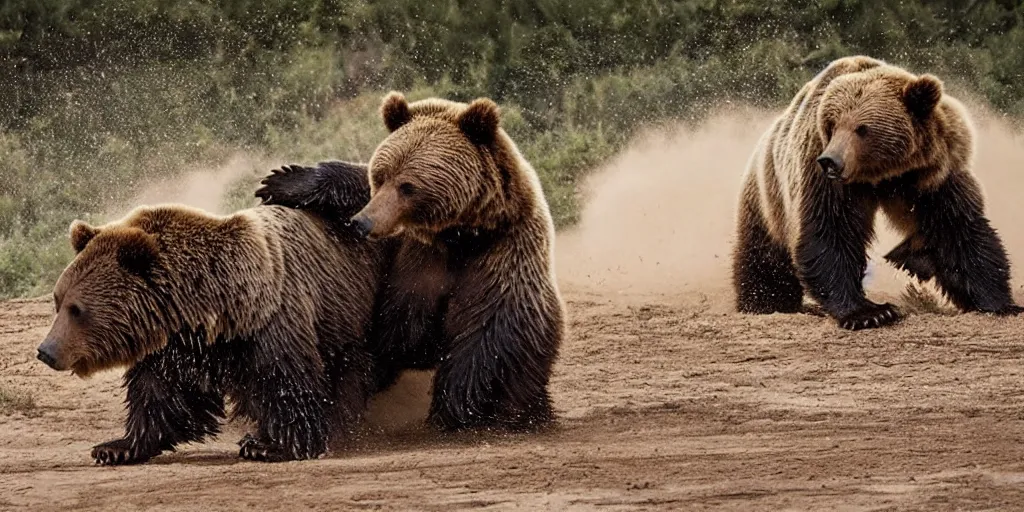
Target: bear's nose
{"points": [[362, 225], [45, 356], [831, 166]]}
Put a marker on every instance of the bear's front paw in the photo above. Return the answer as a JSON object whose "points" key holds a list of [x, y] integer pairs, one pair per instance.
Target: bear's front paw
{"points": [[870, 316], [285, 186], [254, 449], [118, 452]]}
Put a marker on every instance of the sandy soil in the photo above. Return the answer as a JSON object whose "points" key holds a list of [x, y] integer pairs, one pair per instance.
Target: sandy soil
{"points": [[666, 398], [665, 402]]}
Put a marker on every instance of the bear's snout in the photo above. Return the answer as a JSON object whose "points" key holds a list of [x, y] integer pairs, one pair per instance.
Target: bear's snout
{"points": [[831, 165], [362, 224], [48, 354]]}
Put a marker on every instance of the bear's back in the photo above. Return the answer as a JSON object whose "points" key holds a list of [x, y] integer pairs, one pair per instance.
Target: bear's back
{"points": [[254, 265], [338, 275]]}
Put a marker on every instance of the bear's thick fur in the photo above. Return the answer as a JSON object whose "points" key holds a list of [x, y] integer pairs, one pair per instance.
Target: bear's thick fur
{"points": [[860, 136], [471, 287], [265, 307]]}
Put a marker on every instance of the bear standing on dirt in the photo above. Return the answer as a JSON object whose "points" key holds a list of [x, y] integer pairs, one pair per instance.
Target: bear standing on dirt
{"points": [[864, 135], [265, 306], [471, 287]]}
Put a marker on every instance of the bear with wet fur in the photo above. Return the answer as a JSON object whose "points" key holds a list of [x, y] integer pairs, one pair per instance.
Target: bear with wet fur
{"points": [[862, 136], [470, 289], [265, 307]]}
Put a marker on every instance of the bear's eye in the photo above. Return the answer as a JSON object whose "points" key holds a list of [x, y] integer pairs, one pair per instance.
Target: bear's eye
{"points": [[74, 311], [407, 189], [861, 130]]}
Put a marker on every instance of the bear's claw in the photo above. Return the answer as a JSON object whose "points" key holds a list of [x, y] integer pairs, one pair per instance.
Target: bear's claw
{"points": [[116, 453], [275, 191], [874, 315], [256, 450]]}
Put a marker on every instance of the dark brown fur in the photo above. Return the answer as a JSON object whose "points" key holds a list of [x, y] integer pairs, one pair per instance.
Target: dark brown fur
{"points": [[860, 136], [264, 307], [471, 288]]}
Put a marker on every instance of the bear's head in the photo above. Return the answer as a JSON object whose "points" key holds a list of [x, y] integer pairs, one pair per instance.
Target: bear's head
{"points": [[444, 164], [104, 301], [877, 124]]}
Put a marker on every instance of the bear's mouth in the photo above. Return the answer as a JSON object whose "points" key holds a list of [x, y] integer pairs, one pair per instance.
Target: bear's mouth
{"points": [[82, 369], [398, 230], [52, 353]]}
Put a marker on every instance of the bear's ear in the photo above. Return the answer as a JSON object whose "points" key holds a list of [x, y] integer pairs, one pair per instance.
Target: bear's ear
{"points": [[81, 234], [137, 252], [922, 95], [395, 111], [480, 121]]}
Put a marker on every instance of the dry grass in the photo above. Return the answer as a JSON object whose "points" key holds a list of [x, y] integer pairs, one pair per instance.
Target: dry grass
{"points": [[919, 298], [15, 400]]}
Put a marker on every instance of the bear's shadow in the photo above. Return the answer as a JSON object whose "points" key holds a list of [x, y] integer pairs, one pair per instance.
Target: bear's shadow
{"points": [[199, 458], [365, 442]]}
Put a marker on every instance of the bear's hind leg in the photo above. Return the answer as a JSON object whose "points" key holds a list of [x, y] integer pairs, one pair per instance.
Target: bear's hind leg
{"points": [[280, 385], [916, 261], [971, 265], [350, 373], [764, 278], [291, 422]]}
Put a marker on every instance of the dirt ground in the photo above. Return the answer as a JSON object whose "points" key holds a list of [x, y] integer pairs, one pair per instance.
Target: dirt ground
{"points": [[666, 398], [665, 402]]}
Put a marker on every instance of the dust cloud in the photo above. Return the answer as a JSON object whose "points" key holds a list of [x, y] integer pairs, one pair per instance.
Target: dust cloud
{"points": [[999, 164], [659, 218], [200, 187]]}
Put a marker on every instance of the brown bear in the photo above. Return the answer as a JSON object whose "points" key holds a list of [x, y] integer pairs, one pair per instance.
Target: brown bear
{"points": [[862, 136], [267, 307], [471, 288]]}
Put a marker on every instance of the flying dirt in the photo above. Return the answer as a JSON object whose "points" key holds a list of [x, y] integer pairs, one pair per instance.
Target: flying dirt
{"points": [[667, 398], [660, 218]]}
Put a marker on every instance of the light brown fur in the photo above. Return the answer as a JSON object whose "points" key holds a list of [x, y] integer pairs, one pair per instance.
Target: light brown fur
{"points": [[783, 165], [860, 136], [453, 186], [485, 184]]}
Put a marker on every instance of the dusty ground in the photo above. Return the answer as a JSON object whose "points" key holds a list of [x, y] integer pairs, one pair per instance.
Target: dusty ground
{"points": [[667, 399], [665, 402]]}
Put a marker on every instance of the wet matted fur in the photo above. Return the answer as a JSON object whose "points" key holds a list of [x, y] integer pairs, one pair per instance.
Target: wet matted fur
{"points": [[267, 307], [470, 288]]}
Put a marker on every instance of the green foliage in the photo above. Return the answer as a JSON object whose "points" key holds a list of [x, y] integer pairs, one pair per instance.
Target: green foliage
{"points": [[103, 96]]}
